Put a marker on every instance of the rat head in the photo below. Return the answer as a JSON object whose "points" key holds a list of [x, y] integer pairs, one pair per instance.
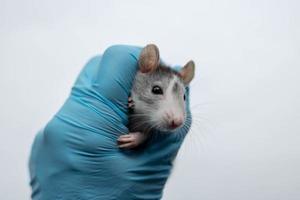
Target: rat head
{"points": [[159, 91]]}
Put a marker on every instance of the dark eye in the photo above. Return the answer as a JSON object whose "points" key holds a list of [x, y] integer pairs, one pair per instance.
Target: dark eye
{"points": [[157, 90], [184, 97]]}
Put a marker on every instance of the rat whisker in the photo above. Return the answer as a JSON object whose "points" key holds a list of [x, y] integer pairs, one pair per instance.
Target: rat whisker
{"points": [[192, 107]]}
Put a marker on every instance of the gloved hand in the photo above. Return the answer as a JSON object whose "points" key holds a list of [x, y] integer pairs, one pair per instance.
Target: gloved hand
{"points": [[76, 155]]}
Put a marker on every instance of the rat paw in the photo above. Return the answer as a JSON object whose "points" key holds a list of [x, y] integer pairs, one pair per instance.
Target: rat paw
{"points": [[130, 103], [131, 140]]}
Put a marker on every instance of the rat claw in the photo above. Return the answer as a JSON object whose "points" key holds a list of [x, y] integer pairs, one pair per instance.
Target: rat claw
{"points": [[130, 103], [125, 139], [130, 140], [124, 136], [127, 145]]}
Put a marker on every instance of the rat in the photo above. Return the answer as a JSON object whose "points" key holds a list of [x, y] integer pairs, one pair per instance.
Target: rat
{"points": [[157, 98]]}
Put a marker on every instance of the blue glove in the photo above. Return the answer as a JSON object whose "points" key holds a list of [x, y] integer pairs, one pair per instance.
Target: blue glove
{"points": [[76, 155]]}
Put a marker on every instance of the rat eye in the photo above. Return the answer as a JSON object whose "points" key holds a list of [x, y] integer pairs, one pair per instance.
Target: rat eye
{"points": [[157, 90]]}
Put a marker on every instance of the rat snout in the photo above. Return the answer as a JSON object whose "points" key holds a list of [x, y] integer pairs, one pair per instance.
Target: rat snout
{"points": [[173, 121]]}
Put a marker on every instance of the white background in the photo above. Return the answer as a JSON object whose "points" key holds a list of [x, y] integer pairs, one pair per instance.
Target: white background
{"points": [[245, 142]]}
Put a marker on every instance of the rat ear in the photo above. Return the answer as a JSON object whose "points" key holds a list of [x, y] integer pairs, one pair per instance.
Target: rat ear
{"points": [[149, 58], [187, 72]]}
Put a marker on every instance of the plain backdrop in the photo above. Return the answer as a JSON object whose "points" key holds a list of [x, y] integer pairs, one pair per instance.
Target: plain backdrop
{"points": [[245, 140]]}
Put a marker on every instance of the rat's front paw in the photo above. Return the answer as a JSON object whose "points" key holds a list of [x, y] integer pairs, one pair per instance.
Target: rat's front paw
{"points": [[131, 140], [130, 103]]}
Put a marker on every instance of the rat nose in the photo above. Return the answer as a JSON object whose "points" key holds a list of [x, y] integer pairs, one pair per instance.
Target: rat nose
{"points": [[172, 120], [175, 123]]}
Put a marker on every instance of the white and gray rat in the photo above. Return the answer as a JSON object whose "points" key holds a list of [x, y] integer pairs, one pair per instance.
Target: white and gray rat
{"points": [[157, 98]]}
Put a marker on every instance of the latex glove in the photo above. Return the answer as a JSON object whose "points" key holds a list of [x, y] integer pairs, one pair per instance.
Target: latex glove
{"points": [[76, 155]]}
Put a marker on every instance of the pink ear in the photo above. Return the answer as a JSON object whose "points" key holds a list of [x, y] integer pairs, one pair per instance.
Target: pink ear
{"points": [[149, 58], [187, 72]]}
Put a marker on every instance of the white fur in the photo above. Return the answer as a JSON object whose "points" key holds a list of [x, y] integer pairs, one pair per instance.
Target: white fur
{"points": [[171, 107]]}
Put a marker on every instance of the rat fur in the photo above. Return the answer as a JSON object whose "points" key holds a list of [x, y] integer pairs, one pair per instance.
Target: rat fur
{"points": [[157, 98]]}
